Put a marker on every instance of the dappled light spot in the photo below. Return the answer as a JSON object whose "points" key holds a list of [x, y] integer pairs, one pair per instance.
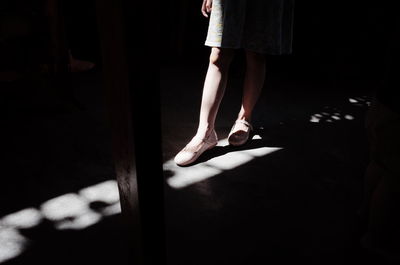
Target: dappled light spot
{"points": [[105, 192], [360, 101], [23, 219], [71, 211], [331, 114], [187, 176], [12, 243], [314, 118], [79, 222], [67, 205]]}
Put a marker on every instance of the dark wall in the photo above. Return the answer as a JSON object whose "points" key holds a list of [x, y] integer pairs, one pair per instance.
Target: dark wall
{"points": [[25, 32], [332, 39], [81, 27]]}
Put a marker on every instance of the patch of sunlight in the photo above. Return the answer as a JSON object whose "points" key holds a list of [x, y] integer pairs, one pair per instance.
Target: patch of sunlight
{"points": [[64, 206], [80, 221], [329, 114], [12, 243], [111, 210], [326, 117], [68, 211], [23, 219], [360, 101], [186, 176], [105, 192], [314, 118], [353, 100]]}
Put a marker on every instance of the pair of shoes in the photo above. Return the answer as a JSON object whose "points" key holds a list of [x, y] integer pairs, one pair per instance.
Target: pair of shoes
{"points": [[195, 148], [240, 133]]}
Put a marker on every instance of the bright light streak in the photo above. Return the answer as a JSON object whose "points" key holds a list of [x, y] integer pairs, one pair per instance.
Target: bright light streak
{"points": [[186, 176]]}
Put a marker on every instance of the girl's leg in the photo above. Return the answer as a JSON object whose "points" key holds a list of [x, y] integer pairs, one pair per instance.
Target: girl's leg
{"points": [[214, 88], [253, 83], [213, 91]]}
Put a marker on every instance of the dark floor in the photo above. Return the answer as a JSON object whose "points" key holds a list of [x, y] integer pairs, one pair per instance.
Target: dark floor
{"points": [[290, 195], [57, 155]]}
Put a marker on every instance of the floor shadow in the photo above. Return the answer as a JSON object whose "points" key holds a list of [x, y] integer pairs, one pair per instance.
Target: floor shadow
{"points": [[103, 243], [54, 148], [297, 202]]}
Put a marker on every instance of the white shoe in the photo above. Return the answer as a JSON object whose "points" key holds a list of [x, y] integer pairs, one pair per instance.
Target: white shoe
{"points": [[237, 135], [195, 148]]}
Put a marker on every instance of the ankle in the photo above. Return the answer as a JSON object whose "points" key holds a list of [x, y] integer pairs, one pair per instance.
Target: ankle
{"points": [[244, 117], [204, 132]]}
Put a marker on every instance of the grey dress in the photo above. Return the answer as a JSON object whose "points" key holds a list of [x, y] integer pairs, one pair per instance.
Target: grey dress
{"points": [[264, 26]]}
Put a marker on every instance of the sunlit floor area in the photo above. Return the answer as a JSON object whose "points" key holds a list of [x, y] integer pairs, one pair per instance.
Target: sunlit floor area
{"points": [[59, 198], [288, 196]]}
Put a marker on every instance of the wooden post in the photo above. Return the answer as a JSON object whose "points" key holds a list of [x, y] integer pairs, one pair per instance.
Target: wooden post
{"points": [[132, 90]]}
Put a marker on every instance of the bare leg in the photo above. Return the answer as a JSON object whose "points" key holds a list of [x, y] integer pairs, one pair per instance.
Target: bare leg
{"points": [[213, 91], [214, 88], [253, 84]]}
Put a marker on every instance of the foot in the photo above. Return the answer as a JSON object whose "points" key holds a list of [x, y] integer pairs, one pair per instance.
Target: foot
{"points": [[240, 133], [195, 148]]}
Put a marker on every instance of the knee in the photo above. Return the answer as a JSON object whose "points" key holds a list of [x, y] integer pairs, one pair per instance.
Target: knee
{"points": [[221, 57]]}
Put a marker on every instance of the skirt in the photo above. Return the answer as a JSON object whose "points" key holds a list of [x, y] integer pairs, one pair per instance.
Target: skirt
{"points": [[263, 26]]}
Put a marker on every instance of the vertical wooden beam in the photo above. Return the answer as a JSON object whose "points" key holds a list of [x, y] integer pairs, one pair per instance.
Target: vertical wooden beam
{"points": [[130, 70], [116, 85], [143, 43]]}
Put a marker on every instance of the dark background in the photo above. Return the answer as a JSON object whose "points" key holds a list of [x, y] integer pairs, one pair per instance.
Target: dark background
{"points": [[333, 40]]}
